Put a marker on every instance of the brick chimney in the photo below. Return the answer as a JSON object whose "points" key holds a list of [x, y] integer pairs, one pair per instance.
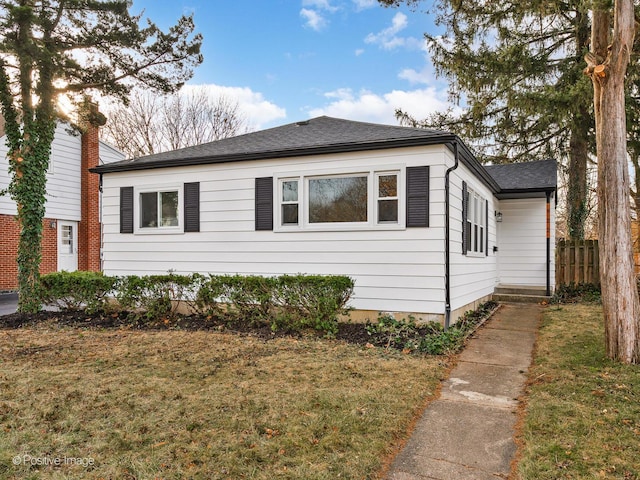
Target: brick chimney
{"points": [[89, 228]]}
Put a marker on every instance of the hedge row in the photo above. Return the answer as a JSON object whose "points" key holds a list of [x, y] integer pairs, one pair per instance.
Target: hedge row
{"points": [[290, 302]]}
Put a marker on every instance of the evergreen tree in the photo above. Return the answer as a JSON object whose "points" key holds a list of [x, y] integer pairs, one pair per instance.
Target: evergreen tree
{"points": [[518, 68], [54, 48]]}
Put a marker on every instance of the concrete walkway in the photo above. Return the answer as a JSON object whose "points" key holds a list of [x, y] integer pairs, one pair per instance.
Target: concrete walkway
{"points": [[468, 432]]}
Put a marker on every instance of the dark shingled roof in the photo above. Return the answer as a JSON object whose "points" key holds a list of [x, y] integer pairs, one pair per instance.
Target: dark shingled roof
{"points": [[318, 135], [324, 135], [540, 176]]}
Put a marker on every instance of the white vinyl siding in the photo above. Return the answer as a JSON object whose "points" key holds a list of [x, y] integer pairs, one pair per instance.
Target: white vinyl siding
{"points": [[473, 276], [394, 269], [522, 243], [109, 154], [63, 177]]}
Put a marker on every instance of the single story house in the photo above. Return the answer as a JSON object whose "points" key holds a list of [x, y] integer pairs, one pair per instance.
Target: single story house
{"points": [[419, 224], [71, 236]]}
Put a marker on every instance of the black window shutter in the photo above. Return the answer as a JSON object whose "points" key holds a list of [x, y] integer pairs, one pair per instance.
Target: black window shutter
{"points": [[417, 196], [264, 203], [126, 209], [192, 207], [486, 227], [465, 214]]}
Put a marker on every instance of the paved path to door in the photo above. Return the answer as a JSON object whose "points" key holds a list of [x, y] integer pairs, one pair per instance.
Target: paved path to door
{"points": [[468, 433]]}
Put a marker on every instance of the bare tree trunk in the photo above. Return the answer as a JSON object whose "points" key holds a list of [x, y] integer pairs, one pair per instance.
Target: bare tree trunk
{"points": [[607, 65], [577, 194]]}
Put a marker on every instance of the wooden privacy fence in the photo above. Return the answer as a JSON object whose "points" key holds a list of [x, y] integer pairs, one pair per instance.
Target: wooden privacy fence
{"points": [[577, 261]]}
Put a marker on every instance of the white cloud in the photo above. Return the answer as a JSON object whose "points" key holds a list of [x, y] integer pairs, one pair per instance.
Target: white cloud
{"points": [[257, 110], [359, 51], [365, 4], [371, 107], [426, 76], [388, 38], [313, 19], [320, 5]]}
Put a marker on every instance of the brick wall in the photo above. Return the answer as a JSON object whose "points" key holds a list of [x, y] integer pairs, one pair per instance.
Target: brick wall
{"points": [[9, 233], [89, 227]]}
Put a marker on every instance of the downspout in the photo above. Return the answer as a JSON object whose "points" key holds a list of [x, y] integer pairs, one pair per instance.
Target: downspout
{"points": [[548, 293], [100, 223], [447, 246]]}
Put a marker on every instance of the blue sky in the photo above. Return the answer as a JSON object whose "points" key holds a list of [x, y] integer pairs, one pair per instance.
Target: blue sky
{"points": [[287, 60]]}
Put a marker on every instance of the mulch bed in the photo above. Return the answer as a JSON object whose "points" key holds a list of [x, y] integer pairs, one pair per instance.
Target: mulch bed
{"points": [[354, 333]]}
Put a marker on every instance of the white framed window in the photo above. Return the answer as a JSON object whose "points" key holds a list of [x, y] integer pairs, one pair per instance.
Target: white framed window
{"points": [[158, 209], [387, 198], [340, 201], [290, 201], [476, 224]]}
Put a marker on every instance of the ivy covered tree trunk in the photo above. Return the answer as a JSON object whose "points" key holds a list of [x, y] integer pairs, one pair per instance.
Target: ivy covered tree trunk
{"points": [[54, 48], [30, 163], [607, 63], [29, 131]]}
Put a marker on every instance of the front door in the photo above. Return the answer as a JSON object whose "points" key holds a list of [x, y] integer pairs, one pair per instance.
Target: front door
{"points": [[67, 246]]}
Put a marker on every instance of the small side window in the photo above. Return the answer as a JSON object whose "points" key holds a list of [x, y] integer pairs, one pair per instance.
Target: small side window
{"points": [[387, 197], [290, 202], [158, 209]]}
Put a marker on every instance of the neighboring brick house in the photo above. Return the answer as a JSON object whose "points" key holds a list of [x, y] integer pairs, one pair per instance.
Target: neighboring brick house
{"points": [[71, 227]]}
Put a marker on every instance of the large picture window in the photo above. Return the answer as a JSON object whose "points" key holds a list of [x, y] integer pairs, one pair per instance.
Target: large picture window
{"points": [[350, 200], [159, 209], [338, 199]]}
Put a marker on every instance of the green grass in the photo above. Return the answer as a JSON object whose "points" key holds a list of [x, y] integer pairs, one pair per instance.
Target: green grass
{"points": [[583, 411], [206, 405]]}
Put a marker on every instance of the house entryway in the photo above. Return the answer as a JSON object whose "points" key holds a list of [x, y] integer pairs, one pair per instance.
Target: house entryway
{"points": [[67, 246]]}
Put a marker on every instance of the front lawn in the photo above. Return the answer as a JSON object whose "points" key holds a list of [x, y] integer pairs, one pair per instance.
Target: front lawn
{"points": [[130, 404], [583, 411]]}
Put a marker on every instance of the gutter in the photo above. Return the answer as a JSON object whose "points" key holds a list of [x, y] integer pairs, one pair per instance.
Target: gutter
{"points": [[447, 245]]}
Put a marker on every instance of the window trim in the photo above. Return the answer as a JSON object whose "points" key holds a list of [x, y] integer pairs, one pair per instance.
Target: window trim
{"points": [[170, 187], [378, 198], [372, 200], [281, 201], [306, 203]]}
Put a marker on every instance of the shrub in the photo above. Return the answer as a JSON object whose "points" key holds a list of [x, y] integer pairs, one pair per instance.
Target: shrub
{"points": [[577, 292], [76, 290], [155, 296], [287, 302], [400, 334], [210, 294], [430, 338], [311, 301]]}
